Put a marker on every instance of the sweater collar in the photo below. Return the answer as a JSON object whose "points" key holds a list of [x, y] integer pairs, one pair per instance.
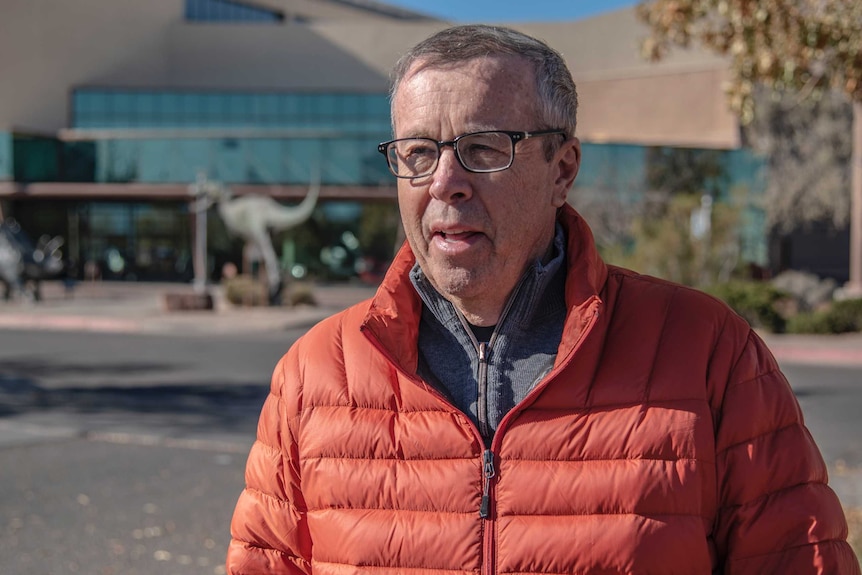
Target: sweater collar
{"points": [[531, 295]]}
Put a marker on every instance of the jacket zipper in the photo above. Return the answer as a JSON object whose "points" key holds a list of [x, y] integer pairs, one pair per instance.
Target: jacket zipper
{"points": [[488, 474], [488, 470]]}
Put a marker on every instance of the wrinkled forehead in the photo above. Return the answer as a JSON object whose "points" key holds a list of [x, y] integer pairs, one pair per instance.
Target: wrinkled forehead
{"points": [[482, 68], [498, 79]]}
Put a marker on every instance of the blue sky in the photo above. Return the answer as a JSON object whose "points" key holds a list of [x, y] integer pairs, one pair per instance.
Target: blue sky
{"points": [[494, 11]]}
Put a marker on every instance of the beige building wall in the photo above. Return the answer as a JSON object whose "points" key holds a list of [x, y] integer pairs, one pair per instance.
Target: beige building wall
{"points": [[623, 98], [684, 109], [49, 45], [626, 99], [263, 57]]}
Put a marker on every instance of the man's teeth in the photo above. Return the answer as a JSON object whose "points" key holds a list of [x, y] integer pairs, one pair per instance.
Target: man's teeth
{"points": [[453, 236]]}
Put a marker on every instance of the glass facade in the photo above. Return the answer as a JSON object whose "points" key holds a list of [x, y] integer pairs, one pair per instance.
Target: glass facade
{"points": [[349, 160], [261, 138], [227, 11], [5, 156], [35, 158], [152, 241], [333, 113], [619, 171], [149, 136], [44, 159], [116, 240]]}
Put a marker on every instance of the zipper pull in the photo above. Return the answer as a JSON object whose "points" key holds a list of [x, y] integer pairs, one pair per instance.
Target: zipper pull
{"points": [[483, 351], [488, 473]]}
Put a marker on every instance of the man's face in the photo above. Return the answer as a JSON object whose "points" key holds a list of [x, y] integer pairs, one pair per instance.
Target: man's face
{"points": [[473, 234]]}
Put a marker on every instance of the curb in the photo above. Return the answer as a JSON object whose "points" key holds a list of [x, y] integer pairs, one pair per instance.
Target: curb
{"points": [[138, 309], [828, 350]]}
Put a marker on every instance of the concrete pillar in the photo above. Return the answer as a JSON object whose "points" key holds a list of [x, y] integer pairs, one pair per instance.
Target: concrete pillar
{"points": [[853, 289]]}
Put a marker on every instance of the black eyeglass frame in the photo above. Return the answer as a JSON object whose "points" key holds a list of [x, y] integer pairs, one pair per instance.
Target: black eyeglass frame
{"points": [[515, 137]]}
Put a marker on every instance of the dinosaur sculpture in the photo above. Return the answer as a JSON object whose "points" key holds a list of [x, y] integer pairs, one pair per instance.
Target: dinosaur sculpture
{"points": [[253, 217]]}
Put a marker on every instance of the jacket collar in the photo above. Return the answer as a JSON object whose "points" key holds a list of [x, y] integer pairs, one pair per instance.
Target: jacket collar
{"points": [[394, 313]]}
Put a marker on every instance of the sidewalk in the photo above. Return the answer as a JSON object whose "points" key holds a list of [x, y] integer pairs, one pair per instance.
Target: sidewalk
{"points": [[835, 350], [126, 307]]}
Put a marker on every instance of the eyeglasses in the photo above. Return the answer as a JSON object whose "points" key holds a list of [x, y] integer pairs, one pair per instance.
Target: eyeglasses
{"points": [[479, 152]]}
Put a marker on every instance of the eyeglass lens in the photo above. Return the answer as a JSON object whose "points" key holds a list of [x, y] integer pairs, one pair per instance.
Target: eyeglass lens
{"points": [[484, 152]]}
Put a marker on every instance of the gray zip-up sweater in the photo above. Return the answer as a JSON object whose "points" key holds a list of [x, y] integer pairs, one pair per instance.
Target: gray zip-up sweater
{"points": [[486, 380]]}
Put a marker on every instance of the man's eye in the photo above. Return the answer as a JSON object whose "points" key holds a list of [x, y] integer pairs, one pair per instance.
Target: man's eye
{"points": [[419, 151], [478, 148]]}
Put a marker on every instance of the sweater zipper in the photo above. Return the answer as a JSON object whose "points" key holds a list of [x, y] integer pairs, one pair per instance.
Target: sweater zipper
{"points": [[539, 388], [483, 349], [482, 400]]}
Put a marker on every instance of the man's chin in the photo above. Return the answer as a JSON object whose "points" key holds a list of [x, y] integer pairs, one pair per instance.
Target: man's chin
{"points": [[460, 283]]}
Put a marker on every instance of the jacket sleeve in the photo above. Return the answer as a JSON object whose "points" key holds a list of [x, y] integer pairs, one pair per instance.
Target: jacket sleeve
{"points": [[269, 534], [776, 513]]}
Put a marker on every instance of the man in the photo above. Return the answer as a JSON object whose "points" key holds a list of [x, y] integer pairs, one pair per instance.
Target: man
{"points": [[507, 402]]}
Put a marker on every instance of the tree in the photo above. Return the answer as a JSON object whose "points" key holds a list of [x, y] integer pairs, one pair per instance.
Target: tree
{"points": [[801, 46], [672, 171], [807, 147], [679, 182]]}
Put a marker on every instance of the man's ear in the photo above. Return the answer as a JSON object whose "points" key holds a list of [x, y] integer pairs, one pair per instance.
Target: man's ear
{"points": [[567, 161]]}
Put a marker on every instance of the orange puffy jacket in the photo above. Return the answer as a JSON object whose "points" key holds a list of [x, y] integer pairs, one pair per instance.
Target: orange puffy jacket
{"points": [[665, 440]]}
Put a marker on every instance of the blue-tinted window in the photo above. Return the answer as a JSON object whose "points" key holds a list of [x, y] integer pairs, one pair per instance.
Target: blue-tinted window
{"points": [[330, 129], [229, 11], [95, 108], [5, 156]]}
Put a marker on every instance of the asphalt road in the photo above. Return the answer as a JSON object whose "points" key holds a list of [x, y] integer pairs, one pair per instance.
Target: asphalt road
{"points": [[124, 454], [831, 401]]}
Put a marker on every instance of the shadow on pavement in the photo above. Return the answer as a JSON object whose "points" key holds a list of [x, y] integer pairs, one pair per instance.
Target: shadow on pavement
{"points": [[205, 405]]}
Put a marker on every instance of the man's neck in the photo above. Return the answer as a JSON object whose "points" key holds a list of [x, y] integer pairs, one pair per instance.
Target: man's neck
{"points": [[479, 313], [483, 313]]}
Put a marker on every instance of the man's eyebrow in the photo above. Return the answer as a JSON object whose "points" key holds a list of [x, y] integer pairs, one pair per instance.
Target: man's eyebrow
{"points": [[469, 130], [483, 128]]}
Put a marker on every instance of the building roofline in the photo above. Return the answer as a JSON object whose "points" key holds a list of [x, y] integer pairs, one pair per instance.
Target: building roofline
{"points": [[387, 10]]}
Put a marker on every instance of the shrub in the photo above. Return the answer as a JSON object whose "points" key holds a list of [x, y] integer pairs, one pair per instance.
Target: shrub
{"points": [[300, 294], [840, 317], [757, 302], [663, 244], [243, 290], [854, 524]]}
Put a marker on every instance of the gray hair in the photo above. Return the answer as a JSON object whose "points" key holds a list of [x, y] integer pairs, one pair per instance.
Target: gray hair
{"points": [[557, 94]]}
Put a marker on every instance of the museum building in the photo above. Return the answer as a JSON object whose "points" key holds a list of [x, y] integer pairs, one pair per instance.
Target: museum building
{"points": [[112, 110]]}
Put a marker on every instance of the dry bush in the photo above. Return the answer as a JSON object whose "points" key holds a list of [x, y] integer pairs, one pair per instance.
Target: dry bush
{"points": [[854, 523]]}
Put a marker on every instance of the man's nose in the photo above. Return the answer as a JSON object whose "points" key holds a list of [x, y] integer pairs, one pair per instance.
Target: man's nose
{"points": [[450, 181]]}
